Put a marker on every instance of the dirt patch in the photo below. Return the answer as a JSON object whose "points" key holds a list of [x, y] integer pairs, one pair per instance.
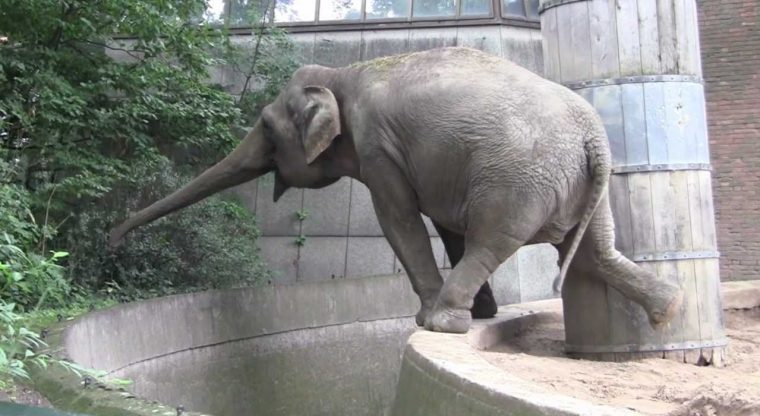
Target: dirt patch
{"points": [[22, 394], [650, 386]]}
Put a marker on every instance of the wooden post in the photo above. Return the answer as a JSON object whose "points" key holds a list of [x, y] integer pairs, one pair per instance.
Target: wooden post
{"points": [[638, 63]]}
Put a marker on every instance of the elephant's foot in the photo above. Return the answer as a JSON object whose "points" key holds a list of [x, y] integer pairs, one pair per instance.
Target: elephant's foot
{"points": [[663, 306], [484, 304], [455, 321], [422, 315]]}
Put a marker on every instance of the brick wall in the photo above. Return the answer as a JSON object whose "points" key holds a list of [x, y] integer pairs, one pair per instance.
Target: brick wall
{"points": [[730, 37]]}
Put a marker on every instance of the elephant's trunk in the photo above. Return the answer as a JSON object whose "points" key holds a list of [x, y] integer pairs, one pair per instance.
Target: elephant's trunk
{"points": [[249, 160]]}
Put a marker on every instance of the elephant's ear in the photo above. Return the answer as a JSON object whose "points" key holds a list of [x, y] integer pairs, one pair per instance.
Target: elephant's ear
{"points": [[321, 121]]}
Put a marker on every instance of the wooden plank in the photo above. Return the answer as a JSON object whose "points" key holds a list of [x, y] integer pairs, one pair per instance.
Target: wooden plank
{"points": [[636, 148], [424, 39], [684, 43], [607, 101], [629, 324], [693, 34], [376, 43], [566, 53], [694, 132], [522, 46], [708, 212], [699, 125], [664, 214], [604, 41], [484, 38], [584, 300], [667, 34], [695, 213], [629, 49], [580, 40], [642, 223], [691, 329], [620, 203], [649, 37], [677, 118], [707, 274], [550, 41], [654, 105], [678, 194], [336, 49]]}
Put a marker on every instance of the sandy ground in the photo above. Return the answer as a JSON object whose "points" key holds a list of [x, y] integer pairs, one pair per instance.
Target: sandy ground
{"points": [[651, 386]]}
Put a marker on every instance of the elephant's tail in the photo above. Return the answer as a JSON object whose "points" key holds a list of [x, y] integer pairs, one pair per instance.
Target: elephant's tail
{"points": [[598, 156]]}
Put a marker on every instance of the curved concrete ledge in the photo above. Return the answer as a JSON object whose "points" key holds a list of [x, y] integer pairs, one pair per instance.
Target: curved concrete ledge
{"points": [[330, 347], [442, 374]]}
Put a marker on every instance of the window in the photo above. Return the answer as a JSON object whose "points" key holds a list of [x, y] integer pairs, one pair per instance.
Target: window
{"points": [[240, 13], [388, 9], [340, 10], [520, 8], [434, 8], [295, 11], [476, 7], [215, 12]]}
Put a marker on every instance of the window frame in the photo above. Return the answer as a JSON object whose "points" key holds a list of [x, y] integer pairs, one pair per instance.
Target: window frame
{"points": [[496, 15]]}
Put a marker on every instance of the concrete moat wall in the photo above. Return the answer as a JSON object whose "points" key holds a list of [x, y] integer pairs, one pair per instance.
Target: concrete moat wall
{"points": [[326, 348]]}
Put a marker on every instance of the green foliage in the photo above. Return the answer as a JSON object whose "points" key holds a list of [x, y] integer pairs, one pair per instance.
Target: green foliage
{"points": [[302, 214], [209, 244], [94, 125], [300, 241], [18, 345], [28, 275]]}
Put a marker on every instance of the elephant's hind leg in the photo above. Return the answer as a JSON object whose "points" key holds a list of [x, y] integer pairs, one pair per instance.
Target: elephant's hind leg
{"points": [[659, 297], [484, 305]]}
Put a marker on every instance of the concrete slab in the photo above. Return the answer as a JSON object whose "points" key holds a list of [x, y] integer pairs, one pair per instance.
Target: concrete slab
{"points": [[322, 258], [327, 210], [278, 219], [537, 265], [363, 220], [281, 257], [369, 256]]}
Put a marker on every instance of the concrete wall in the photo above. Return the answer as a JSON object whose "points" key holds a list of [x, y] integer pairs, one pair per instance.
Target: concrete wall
{"points": [[342, 235], [321, 348]]}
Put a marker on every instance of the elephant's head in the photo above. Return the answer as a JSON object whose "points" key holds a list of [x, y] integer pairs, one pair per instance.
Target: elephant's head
{"points": [[297, 137]]}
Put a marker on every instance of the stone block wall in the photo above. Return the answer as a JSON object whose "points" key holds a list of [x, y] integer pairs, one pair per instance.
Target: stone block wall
{"points": [[730, 37]]}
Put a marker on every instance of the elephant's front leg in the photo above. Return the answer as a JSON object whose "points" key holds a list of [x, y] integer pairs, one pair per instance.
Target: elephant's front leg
{"points": [[397, 211]]}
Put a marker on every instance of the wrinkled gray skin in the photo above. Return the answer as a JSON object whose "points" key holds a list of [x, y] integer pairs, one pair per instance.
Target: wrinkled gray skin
{"points": [[495, 155]]}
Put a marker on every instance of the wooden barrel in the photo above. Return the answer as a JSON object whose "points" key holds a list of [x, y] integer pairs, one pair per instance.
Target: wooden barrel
{"points": [[637, 62]]}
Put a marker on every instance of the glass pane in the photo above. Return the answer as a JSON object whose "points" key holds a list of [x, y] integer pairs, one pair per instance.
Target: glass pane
{"points": [[434, 8], [533, 9], [340, 10], [295, 11], [214, 12], [387, 9], [476, 7], [247, 12], [513, 8]]}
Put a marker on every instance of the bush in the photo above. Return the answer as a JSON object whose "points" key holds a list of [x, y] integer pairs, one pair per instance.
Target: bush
{"points": [[18, 345], [81, 131], [211, 244]]}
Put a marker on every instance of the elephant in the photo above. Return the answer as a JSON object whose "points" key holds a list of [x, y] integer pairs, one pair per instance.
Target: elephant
{"points": [[497, 156]]}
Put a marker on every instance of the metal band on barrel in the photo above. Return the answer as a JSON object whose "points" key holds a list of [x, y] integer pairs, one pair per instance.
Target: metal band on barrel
{"points": [[546, 5], [633, 348], [638, 79], [623, 169], [676, 255]]}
